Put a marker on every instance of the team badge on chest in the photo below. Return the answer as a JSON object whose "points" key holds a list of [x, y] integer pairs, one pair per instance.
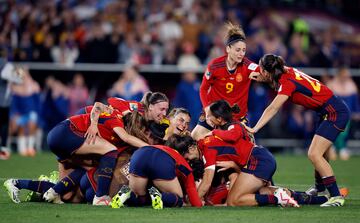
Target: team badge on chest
{"points": [[238, 78]]}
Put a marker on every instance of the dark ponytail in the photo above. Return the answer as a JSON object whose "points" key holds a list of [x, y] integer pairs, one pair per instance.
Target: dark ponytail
{"points": [[273, 64], [151, 98], [180, 143], [222, 109]]}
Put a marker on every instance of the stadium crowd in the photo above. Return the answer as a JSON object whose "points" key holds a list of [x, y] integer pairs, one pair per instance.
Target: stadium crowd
{"points": [[170, 165], [172, 32]]}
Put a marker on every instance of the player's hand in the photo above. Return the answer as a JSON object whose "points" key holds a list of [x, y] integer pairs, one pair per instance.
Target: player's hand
{"points": [[250, 130], [257, 77], [254, 75], [91, 134], [226, 165]]}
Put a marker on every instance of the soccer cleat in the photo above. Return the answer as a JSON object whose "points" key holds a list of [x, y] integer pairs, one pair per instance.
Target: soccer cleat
{"points": [[337, 201], [52, 197], [156, 200], [118, 201], [54, 176], [13, 191], [101, 201], [284, 199]]}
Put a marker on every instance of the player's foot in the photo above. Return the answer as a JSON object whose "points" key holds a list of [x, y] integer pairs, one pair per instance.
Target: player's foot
{"points": [[284, 199], [121, 197], [52, 197], [54, 176], [104, 200], [33, 196], [344, 191], [156, 200], [13, 191], [337, 201]]}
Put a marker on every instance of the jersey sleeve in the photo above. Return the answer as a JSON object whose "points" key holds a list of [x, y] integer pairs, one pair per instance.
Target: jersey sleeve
{"points": [[232, 134], [115, 122], [191, 191], [205, 85], [209, 157], [286, 87], [251, 67]]}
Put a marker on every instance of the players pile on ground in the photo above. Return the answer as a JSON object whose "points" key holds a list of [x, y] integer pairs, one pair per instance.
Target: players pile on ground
{"points": [[128, 153]]}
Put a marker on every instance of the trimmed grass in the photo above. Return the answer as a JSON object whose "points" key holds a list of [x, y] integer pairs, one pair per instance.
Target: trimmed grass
{"points": [[294, 172]]}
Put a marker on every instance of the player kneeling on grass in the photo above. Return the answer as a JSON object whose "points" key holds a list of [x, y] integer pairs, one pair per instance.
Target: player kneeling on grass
{"points": [[166, 170], [256, 165]]}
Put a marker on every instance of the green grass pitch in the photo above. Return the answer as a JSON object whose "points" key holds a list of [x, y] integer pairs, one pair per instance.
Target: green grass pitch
{"points": [[294, 172]]}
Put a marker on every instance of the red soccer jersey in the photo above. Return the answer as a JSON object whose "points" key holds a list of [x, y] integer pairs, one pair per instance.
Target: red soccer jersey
{"points": [[184, 173], [303, 89], [233, 144], [125, 106], [106, 124], [122, 105], [218, 83]]}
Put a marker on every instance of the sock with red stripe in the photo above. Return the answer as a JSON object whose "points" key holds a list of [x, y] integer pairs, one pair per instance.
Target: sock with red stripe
{"points": [[331, 186], [319, 184]]}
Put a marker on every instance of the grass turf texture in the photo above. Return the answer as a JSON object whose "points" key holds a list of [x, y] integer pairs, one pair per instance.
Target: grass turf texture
{"points": [[294, 172]]}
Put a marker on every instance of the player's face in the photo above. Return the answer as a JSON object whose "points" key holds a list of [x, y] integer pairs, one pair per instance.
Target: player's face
{"points": [[211, 119], [180, 123], [192, 153], [236, 51], [158, 111], [264, 74]]}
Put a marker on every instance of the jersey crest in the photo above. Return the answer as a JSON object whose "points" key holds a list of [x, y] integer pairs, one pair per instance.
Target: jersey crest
{"points": [[238, 78]]}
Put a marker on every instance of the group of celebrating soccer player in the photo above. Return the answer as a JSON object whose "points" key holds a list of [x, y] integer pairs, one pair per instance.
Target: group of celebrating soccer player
{"points": [[128, 153]]}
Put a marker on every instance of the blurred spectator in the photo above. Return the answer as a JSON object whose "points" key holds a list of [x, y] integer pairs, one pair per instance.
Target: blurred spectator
{"points": [[43, 51], [8, 75], [24, 114], [187, 59], [328, 52], [344, 86], [130, 86], [187, 96], [67, 52], [78, 94], [297, 56], [127, 48], [259, 99], [54, 106]]}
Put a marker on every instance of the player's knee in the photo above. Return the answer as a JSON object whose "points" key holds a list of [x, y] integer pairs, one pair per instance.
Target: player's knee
{"points": [[312, 155], [232, 200]]}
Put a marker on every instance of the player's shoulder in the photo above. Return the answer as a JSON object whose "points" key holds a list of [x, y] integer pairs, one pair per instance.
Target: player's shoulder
{"points": [[248, 64], [218, 62]]}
